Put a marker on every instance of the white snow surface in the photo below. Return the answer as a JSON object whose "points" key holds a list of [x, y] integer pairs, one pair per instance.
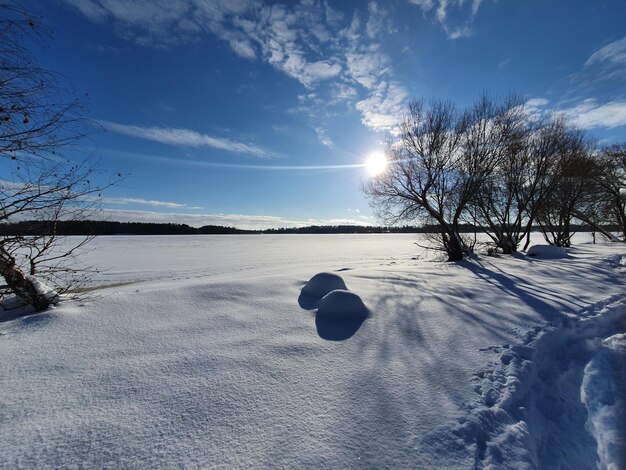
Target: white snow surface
{"points": [[201, 353], [603, 392]]}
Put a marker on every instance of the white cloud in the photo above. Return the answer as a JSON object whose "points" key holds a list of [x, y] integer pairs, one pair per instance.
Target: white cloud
{"points": [[537, 102], [425, 5], [242, 48], [308, 41], [342, 92], [145, 202], [587, 114], [504, 63], [333, 17], [590, 114], [175, 136], [535, 106], [614, 53], [457, 33], [242, 221], [164, 23], [286, 37], [378, 21], [383, 108], [322, 136], [366, 68], [458, 26]]}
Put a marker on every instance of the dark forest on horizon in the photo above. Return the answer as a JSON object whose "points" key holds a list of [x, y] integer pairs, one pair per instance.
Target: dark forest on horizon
{"points": [[96, 227]]}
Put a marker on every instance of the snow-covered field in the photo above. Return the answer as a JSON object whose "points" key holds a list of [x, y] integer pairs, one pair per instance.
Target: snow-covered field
{"points": [[203, 352]]}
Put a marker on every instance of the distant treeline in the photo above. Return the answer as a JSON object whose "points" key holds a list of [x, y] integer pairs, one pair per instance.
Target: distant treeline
{"points": [[97, 227]]}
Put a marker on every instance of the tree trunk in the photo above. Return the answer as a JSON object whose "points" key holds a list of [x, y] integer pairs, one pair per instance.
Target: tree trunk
{"points": [[19, 283], [454, 247]]}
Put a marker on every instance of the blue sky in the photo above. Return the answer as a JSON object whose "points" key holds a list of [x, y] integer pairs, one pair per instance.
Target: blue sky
{"points": [[259, 114]]}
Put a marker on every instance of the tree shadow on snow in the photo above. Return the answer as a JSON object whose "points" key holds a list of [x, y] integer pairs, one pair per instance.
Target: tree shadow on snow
{"points": [[540, 298]]}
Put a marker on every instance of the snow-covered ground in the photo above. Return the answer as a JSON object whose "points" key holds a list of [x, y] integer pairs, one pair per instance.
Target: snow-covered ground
{"points": [[204, 352]]}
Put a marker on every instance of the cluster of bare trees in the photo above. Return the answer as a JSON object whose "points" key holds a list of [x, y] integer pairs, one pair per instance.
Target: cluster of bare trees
{"points": [[502, 169], [43, 175]]}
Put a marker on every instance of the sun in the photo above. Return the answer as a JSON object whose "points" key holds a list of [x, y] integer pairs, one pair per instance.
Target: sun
{"points": [[376, 164]]}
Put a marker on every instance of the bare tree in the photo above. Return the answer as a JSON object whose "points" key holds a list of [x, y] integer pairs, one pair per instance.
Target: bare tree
{"points": [[43, 178], [432, 172], [612, 186], [502, 134], [570, 186]]}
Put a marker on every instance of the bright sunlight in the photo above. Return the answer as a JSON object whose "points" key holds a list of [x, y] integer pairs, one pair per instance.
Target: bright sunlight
{"points": [[376, 163]]}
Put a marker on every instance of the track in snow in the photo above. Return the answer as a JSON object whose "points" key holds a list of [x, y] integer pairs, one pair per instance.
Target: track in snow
{"points": [[530, 399]]}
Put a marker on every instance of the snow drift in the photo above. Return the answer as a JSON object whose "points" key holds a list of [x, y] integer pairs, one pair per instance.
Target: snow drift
{"points": [[201, 364]]}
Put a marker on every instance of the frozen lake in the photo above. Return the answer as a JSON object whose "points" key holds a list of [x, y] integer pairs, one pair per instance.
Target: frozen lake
{"points": [[139, 258], [208, 355]]}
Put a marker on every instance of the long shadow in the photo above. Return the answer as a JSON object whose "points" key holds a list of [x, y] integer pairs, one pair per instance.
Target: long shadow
{"points": [[507, 284]]}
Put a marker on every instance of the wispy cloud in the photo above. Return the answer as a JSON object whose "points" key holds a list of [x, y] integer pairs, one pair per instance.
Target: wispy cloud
{"points": [[504, 63], [613, 53], [285, 36], [243, 221], [379, 20], [382, 109], [367, 67], [603, 73], [164, 23], [454, 16], [590, 114], [587, 113], [145, 202], [186, 137], [308, 41], [241, 166], [322, 136]]}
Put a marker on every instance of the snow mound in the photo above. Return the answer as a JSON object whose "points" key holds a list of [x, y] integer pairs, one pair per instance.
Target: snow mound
{"points": [[547, 251], [323, 283], [342, 305], [603, 392], [340, 314]]}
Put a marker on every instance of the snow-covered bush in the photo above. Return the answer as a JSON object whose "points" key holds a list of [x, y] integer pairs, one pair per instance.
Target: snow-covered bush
{"points": [[547, 251]]}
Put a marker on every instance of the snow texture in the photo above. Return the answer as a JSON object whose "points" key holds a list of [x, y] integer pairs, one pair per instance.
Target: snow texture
{"points": [[208, 355]]}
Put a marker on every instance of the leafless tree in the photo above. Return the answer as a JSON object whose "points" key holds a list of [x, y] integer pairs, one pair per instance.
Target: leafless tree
{"points": [[612, 186], [502, 133], [570, 186], [432, 174], [44, 177]]}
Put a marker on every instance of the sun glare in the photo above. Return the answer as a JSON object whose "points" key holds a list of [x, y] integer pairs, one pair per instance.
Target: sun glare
{"points": [[375, 164]]}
